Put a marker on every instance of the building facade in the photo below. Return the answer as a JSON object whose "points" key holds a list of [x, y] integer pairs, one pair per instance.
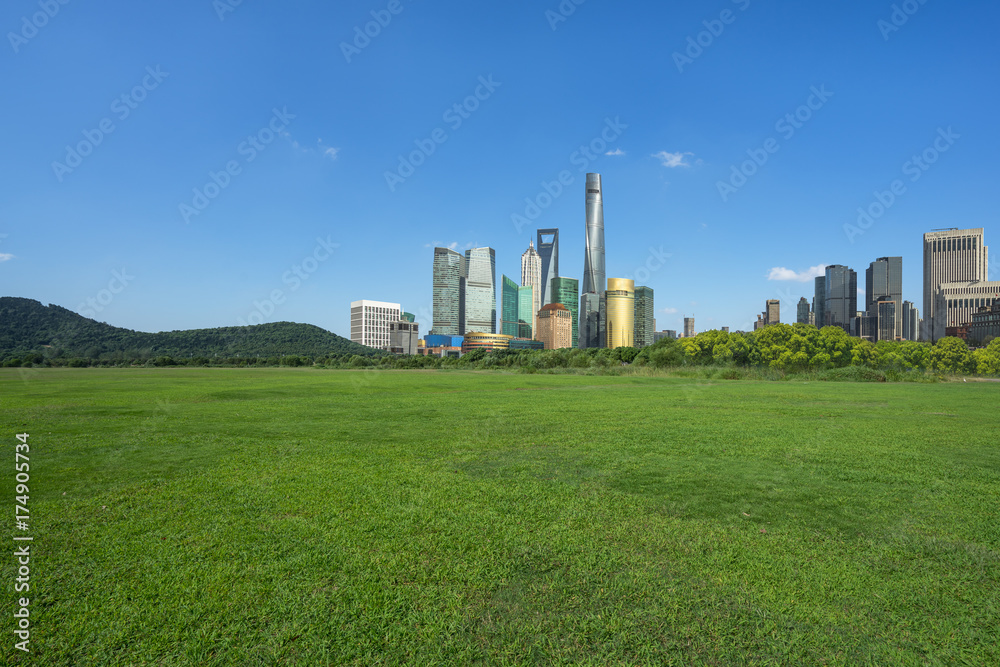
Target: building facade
{"points": [[620, 304], [884, 311], [911, 322], [370, 322], [480, 312], [802, 311], [555, 326], [525, 304], [955, 303], [841, 287], [645, 322], [884, 278], [689, 327], [404, 337], [531, 276], [509, 308], [567, 292], [819, 302], [666, 333], [985, 324], [479, 340], [449, 292], [772, 312], [950, 256], [548, 250]]}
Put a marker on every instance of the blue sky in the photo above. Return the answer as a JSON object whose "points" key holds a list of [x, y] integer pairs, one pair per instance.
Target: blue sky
{"points": [[300, 132]]}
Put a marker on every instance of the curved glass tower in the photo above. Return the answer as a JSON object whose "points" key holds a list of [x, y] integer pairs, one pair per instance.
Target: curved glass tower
{"points": [[593, 257]]}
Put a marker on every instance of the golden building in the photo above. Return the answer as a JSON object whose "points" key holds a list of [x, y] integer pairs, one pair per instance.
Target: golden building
{"points": [[620, 299], [555, 326], [476, 340]]}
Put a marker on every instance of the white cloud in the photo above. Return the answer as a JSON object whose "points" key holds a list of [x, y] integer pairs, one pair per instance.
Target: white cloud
{"points": [[4, 256], [672, 160], [616, 151], [331, 153], [670, 311], [781, 273]]}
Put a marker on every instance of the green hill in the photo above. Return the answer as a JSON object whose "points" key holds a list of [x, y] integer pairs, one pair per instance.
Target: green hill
{"points": [[28, 327]]}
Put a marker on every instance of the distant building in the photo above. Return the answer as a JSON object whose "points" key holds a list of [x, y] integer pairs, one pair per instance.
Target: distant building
{"points": [[950, 256], [567, 292], [525, 304], [370, 322], [724, 329], [620, 309], [666, 333], [477, 340], [526, 344], [955, 303], [802, 312], [689, 327], [449, 292], [403, 337], [548, 250], [885, 318], [841, 287], [531, 276], [819, 302], [592, 315], [645, 324], [480, 290], [409, 317], [555, 326], [436, 340], [985, 323], [509, 307], [911, 322], [772, 312], [440, 351], [884, 278]]}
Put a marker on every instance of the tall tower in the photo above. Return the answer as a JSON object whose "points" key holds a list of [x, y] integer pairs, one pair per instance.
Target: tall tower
{"points": [[548, 249], [954, 255], [592, 316], [449, 293], [802, 312], [509, 312], [567, 292], [531, 276], [819, 302], [480, 291], [645, 324], [841, 296], [884, 277]]}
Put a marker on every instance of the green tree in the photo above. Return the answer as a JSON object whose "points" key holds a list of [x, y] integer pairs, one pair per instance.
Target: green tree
{"points": [[952, 355]]}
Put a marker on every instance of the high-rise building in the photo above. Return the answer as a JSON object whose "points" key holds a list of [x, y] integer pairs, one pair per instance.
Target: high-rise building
{"points": [[449, 292], [884, 310], [841, 296], [645, 323], [403, 336], [555, 326], [480, 290], [689, 327], [802, 311], [509, 307], [620, 311], [884, 277], [911, 319], [955, 303], [548, 250], [772, 312], [370, 322], [567, 292], [819, 302], [950, 256], [531, 276], [666, 333], [592, 316], [525, 307]]}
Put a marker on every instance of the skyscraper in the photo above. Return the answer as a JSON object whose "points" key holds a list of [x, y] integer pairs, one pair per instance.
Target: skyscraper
{"points": [[911, 319], [620, 306], [772, 312], [689, 327], [841, 296], [819, 302], [592, 320], [531, 276], [555, 326], [525, 308], [802, 312], [884, 277], [370, 322], [950, 256], [449, 293], [645, 322], [509, 307], [567, 292], [884, 312], [480, 291], [548, 250]]}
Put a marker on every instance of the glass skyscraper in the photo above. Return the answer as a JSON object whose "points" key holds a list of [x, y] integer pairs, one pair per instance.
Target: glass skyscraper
{"points": [[449, 295], [567, 292], [480, 290], [884, 277], [509, 307], [841, 296], [525, 307], [592, 315], [620, 312], [819, 302], [548, 250], [645, 322]]}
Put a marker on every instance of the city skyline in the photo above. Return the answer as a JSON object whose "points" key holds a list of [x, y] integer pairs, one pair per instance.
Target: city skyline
{"points": [[162, 221]]}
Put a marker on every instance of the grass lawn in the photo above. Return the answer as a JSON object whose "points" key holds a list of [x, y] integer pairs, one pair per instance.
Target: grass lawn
{"points": [[299, 516]]}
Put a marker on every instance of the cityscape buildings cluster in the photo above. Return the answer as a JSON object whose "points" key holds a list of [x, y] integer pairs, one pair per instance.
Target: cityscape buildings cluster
{"points": [[545, 310]]}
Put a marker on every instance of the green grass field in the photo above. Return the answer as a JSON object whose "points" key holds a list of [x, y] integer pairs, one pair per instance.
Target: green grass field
{"points": [[300, 516]]}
